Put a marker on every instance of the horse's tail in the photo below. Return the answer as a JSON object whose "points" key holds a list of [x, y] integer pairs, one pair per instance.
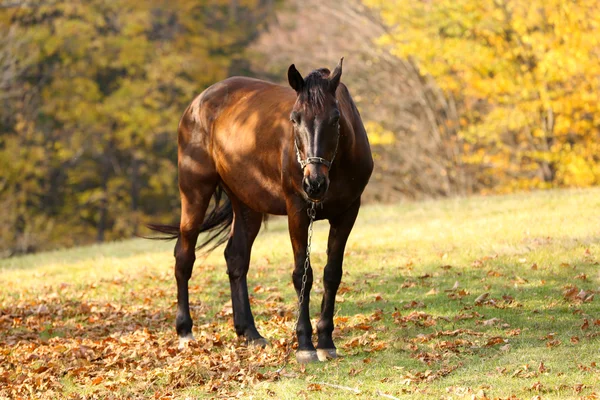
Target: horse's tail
{"points": [[217, 224]]}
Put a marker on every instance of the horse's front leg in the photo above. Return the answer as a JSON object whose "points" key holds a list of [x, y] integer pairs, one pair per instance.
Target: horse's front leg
{"points": [[298, 227], [340, 228]]}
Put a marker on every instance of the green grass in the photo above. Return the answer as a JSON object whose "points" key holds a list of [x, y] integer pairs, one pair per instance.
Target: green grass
{"points": [[407, 321]]}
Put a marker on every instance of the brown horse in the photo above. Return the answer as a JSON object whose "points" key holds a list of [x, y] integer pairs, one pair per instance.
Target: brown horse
{"points": [[272, 150]]}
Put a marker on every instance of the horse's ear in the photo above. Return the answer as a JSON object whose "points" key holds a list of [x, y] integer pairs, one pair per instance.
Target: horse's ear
{"points": [[295, 79], [334, 81]]}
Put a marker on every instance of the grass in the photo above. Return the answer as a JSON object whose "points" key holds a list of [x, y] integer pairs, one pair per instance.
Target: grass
{"points": [[485, 297]]}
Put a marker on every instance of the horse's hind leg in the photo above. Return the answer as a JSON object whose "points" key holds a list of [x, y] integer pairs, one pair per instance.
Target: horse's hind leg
{"points": [[246, 224], [196, 192]]}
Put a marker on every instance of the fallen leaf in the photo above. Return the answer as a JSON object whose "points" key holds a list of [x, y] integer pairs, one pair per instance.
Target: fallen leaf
{"points": [[490, 322], [378, 346], [258, 289], [315, 387], [507, 298], [344, 289], [481, 298], [454, 288], [495, 340], [520, 281], [414, 304], [570, 292], [537, 386]]}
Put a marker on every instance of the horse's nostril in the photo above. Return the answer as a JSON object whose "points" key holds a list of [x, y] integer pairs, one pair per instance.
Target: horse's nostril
{"points": [[308, 187], [314, 187]]}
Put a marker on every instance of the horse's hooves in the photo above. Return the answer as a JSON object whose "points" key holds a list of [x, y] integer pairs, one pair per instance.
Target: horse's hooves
{"points": [[260, 342], [184, 340], [306, 356], [326, 354]]}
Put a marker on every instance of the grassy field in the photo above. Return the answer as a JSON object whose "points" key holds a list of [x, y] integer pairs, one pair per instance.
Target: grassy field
{"points": [[486, 297]]}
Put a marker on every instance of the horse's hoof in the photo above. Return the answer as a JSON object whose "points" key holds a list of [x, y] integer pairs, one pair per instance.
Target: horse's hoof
{"points": [[184, 340], [326, 354], [306, 356], [260, 342]]}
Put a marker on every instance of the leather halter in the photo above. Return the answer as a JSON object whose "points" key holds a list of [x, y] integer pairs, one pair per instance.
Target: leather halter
{"points": [[316, 160]]}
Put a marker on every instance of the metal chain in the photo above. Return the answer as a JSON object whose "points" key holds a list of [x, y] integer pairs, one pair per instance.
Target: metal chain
{"points": [[312, 212]]}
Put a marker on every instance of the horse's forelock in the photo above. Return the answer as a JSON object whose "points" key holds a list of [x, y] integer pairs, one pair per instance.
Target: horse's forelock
{"points": [[315, 89], [325, 72]]}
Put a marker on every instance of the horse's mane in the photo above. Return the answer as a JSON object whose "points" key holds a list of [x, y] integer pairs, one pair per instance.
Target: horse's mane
{"points": [[315, 86]]}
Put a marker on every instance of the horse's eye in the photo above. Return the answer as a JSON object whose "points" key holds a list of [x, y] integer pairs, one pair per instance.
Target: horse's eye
{"points": [[295, 117], [335, 118]]}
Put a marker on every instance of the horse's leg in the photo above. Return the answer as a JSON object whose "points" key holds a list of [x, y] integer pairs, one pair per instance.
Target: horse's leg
{"points": [[194, 202], [340, 228], [298, 226], [246, 224]]}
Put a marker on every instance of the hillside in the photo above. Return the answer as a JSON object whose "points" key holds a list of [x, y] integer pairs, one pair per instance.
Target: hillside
{"points": [[486, 296]]}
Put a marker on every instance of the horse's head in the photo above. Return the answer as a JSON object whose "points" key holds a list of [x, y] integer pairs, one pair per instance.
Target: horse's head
{"points": [[316, 121]]}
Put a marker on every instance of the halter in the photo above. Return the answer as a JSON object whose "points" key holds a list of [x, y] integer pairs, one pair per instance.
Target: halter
{"points": [[316, 160]]}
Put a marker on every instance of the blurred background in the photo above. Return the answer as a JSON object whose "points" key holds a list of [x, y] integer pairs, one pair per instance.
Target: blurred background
{"points": [[459, 97]]}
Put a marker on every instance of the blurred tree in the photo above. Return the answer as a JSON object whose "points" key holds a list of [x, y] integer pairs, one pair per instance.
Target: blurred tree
{"points": [[525, 76], [93, 92]]}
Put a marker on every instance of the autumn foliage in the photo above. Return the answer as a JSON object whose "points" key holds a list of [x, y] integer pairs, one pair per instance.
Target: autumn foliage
{"points": [[90, 96], [435, 309], [525, 78], [458, 97]]}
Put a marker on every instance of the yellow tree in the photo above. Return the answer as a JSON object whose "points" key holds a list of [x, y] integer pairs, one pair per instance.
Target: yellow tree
{"points": [[527, 77], [90, 95]]}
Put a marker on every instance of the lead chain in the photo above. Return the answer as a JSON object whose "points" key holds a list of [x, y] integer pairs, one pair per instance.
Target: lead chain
{"points": [[312, 212]]}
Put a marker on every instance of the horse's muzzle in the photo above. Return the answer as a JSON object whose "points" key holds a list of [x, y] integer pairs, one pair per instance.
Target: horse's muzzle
{"points": [[315, 188]]}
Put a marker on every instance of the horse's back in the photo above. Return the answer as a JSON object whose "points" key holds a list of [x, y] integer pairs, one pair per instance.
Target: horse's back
{"points": [[241, 125], [233, 100]]}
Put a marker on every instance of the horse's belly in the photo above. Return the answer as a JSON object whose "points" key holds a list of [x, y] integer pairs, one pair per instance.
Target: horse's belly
{"points": [[254, 188]]}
